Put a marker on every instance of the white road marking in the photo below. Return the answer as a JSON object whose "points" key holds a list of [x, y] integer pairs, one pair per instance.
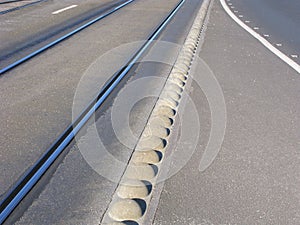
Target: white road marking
{"points": [[267, 44], [279, 44], [266, 35], [241, 16], [64, 9], [294, 56], [235, 11], [247, 21], [232, 7], [256, 28]]}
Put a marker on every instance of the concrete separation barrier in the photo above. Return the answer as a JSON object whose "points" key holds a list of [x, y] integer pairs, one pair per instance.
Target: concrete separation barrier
{"points": [[132, 197]]}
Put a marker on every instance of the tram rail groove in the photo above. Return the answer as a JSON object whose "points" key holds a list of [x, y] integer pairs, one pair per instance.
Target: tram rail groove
{"points": [[62, 38], [18, 7], [12, 1], [23, 186]]}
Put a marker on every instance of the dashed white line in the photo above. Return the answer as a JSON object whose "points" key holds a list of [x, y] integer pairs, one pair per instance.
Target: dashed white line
{"points": [[266, 35], [267, 44], [256, 28], [247, 21], [294, 56], [64, 9], [279, 44], [241, 16]]}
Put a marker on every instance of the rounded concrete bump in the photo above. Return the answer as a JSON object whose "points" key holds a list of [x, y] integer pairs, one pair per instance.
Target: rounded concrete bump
{"points": [[147, 132], [191, 45], [168, 101], [183, 67], [141, 171], [180, 76], [194, 33], [155, 130], [177, 81], [187, 53], [113, 223], [159, 131], [184, 60], [178, 69], [163, 110], [150, 156], [130, 222], [152, 142], [171, 94], [192, 49], [162, 120], [174, 87], [122, 223], [126, 209], [191, 40], [183, 56], [133, 189]]}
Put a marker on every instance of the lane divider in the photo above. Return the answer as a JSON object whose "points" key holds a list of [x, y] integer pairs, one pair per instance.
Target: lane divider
{"points": [[133, 195], [261, 39], [64, 9]]}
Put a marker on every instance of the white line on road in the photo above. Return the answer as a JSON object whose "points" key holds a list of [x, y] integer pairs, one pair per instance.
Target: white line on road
{"points": [[267, 44], [64, 9]]}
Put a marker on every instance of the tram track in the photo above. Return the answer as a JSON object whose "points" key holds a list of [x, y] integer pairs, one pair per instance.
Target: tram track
{"points": [[90, 20], [23, 186], [14, 8]]}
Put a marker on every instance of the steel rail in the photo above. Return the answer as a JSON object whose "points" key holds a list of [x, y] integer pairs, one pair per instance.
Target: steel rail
{"points": [[28, 181], [11, 1], [64, 37], [18, 7]]}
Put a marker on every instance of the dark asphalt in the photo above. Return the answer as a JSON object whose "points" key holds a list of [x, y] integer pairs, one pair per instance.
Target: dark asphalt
{"points": [[279, 19], [37, 97], [26, 30], [78, 195], [255, 178]]}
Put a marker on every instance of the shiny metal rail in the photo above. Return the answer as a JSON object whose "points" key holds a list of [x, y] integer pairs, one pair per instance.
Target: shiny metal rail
{"points": [[64, 37], [28, 181]]}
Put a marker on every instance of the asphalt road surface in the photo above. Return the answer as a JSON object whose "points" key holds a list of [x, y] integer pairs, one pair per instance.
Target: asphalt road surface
{"points": [[37, 96], [255, 177], [37, 107], [24, 31], [278, 21]]}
